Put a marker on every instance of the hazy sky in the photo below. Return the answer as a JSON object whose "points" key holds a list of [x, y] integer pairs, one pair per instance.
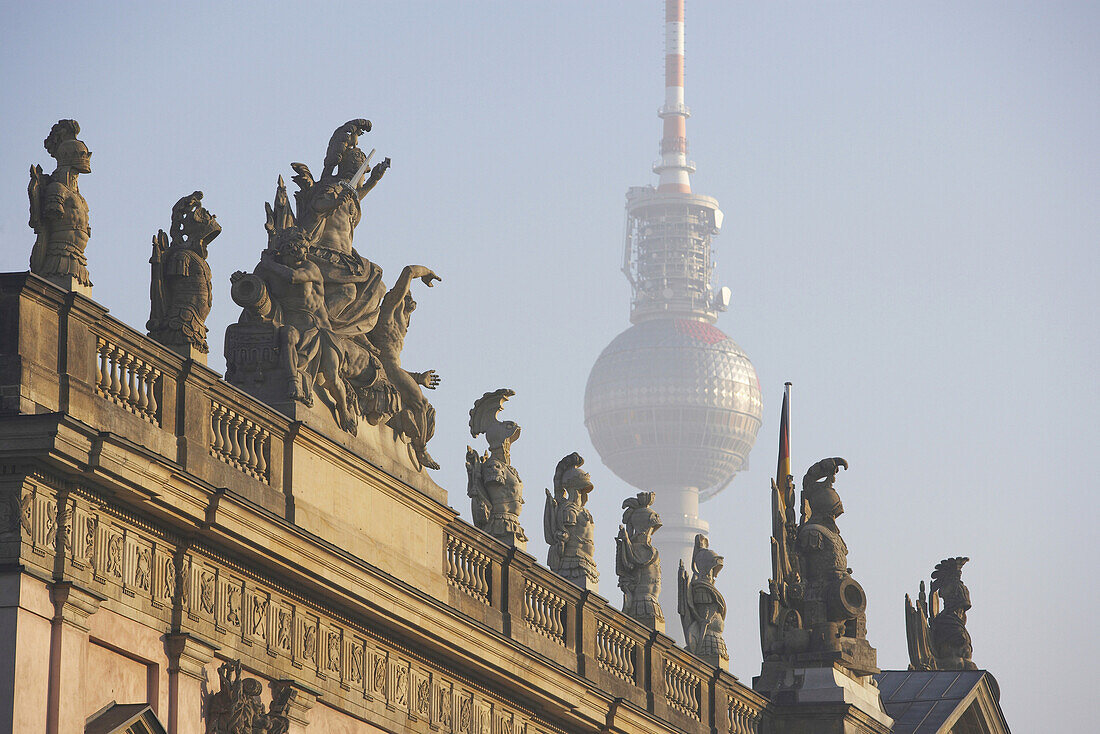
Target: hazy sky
{"points": [[911, 238]]}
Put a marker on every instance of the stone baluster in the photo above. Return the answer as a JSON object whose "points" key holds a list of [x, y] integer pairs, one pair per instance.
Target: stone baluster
{"points": [[103, 375], [248, 451], [126, 377], [151, 385], [234, 438], [141, 381], [116, 384], [216, 442]]}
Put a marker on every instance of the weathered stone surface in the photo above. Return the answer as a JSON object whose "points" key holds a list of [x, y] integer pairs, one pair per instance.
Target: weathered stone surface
{"points": [[938, 639], [638, 563], [702, 607], [568, 525], [59, 214], [494, 486], [180, 289]]}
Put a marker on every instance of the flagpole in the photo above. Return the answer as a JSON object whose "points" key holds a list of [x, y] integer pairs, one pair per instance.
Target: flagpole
{"points": [[787, 400]]}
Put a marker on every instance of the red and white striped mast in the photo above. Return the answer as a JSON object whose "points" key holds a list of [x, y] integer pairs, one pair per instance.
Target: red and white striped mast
{"points": [[674, 168]]}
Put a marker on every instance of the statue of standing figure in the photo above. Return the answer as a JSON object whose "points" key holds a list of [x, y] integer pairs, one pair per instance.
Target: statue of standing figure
{"points": [[814, 612], [494, 485], [702, 607], [568, 525], [415, 420], [180, 289], [59, 214], [638, 563], [942, 643]]}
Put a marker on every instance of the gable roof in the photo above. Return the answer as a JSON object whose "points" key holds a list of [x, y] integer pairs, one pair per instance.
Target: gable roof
{"points": [[942, 701], [124, 718]]}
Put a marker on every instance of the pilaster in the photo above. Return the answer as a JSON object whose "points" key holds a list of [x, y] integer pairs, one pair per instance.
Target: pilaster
{"points": [[188, 656], [72, 605]]}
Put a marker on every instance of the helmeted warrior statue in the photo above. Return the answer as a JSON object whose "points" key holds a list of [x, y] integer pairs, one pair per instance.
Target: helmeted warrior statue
{"points": [[702, 607], [814, 611], [318, 312], [943, 643], [494, 486], [180, 289], [568, 525], [59, 214], [637, 562]]}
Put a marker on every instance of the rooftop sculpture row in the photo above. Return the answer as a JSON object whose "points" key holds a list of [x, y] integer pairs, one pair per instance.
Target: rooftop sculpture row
{"points": [[318, 323], [317, 319], [496, 496]]}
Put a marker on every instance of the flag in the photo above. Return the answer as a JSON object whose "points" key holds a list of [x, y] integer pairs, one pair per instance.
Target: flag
{"points": [[783, 470]]}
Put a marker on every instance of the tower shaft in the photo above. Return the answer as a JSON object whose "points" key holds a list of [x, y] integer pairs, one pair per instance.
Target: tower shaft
{"points": [[673, 404]]}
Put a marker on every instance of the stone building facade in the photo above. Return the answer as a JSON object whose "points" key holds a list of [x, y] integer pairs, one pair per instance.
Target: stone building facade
{"points": [[156, 522]]}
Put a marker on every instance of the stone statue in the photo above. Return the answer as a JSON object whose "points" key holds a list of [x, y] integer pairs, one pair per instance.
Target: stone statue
{"points": [[702, 607], [59, 214], [317, 319], [568, 525], [494, 487], [180, 289], [415, 420], [237, 709], [637, 562], [814, 612], [943, 644]]}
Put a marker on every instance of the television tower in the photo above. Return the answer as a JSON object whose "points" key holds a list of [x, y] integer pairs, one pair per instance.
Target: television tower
{"points": [[672, 404]]}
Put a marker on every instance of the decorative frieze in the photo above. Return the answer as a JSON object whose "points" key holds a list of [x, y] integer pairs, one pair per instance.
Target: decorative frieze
{"points": [[283, 641], [138, 565], [355, 656], [284, 636], [443, 704], [378, 672], [11, 511], [464, 713], [331, 649], [305, 653], [231, 604], [399, 689], [203, 591], [257, 605], [421, 695]]}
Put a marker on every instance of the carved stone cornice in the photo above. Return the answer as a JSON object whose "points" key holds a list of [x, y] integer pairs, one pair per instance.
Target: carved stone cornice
{"points": [[73, 604], [188, 654]]}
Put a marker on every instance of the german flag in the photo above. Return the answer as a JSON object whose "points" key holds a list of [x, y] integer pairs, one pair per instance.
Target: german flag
{"points": [[783, 470]]}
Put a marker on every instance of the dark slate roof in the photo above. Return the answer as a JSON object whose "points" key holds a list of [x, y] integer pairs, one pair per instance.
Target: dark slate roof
{"points": [[921, 702], [116, 717]]}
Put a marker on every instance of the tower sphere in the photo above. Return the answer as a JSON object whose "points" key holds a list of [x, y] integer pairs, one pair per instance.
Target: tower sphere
{"points": [[673, 403]]}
